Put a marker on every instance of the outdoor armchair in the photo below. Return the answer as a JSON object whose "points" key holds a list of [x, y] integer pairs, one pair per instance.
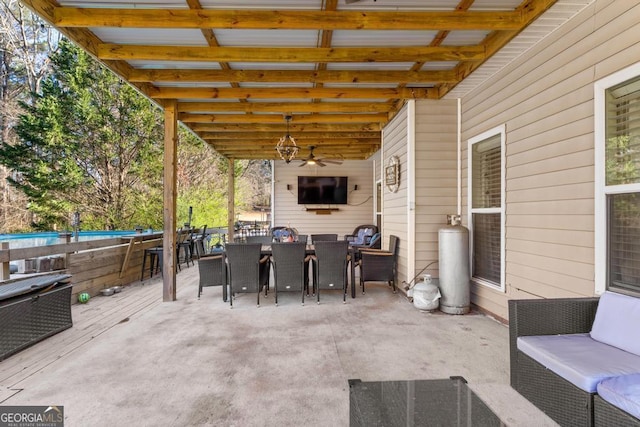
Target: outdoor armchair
{"points": [[283, 234], [212, 272], [380, 265], [374, 243], [362, 234]]}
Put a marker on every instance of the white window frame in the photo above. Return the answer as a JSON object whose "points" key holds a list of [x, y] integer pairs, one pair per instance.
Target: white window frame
{"points": [[601, 189], [377, 214], [499, 130]]}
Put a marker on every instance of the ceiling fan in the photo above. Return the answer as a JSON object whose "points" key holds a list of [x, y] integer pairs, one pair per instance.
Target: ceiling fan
{"points": [[312, 160]]}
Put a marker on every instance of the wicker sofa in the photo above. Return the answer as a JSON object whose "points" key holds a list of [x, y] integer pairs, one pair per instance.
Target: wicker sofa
{"points": [[562, 400]]}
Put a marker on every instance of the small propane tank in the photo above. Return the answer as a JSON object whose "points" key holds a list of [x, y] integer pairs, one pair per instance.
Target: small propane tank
{"points": [[426, 294]]}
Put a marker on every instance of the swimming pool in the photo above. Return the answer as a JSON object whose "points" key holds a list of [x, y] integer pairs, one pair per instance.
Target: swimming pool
{"points": [[28, 240]]}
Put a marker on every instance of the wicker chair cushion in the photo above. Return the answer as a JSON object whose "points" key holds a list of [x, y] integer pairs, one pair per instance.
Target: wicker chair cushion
{"points": [[578, 358], [622, 392], [616, 322]]}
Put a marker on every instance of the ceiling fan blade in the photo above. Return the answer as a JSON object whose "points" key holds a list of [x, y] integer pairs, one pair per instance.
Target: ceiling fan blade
{"points": [[304, 163], [332, 161], [319, 163]]}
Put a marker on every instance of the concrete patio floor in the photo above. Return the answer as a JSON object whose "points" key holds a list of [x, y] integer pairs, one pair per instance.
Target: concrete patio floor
{"points": [[131, 360]]}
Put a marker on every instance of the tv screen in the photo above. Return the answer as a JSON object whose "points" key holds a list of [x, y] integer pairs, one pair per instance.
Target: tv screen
{"points": [[322, 190]]}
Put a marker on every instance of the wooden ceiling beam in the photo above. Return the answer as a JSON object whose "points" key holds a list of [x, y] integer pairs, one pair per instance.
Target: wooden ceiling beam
{"points": [[84, 38], [292, 76], [319, 151], [260, 155], [273, 118], [292, 93], [274, 136], [359, 143], [294, 128], [359, 147], [111, 51], [286, 19], [286, 107]]}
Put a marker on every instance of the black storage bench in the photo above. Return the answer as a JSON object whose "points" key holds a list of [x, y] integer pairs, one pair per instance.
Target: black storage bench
{"points": [[32, 309]]}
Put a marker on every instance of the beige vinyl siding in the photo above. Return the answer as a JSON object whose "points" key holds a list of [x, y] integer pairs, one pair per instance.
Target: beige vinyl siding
{"points": [[435, 177], [394, 209], [545, 99], [359, 209]]}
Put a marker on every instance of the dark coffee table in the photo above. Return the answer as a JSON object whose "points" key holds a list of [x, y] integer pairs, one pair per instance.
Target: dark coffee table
{"points": [[445, 402]]}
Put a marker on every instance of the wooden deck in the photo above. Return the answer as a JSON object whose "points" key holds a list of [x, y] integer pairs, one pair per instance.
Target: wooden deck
{"points": [[89, 321]]}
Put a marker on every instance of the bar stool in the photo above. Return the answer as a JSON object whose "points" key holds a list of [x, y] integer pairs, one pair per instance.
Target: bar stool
{"points": [[155, 259], [184, 241]]}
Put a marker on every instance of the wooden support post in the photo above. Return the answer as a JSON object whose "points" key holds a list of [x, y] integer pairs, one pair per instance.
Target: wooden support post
{"points": [[231, 192], [170, 195], [5, 271]]}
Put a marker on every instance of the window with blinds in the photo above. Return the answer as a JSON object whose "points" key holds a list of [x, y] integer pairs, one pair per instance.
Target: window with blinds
{"points": [[622, 185], [486, 166], [486, 208]]}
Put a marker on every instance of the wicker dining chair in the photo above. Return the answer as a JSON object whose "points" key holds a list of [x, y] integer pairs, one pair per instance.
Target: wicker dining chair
{"points": [[380, 265], [212, 272], [330, 266], [263, 240], [323, 238], [247, 271], [320, 238], [288, 260]]}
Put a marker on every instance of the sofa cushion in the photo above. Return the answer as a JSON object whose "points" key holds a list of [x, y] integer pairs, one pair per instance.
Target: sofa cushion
{"points": [[616, 322], [363, 235], [578, 358], [622, 392]]}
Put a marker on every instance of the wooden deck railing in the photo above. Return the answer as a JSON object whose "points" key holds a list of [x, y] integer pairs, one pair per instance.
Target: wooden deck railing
{"points": [[93, 264]]}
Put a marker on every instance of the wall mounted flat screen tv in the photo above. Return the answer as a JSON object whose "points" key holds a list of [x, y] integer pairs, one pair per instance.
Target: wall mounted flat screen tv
{"points": [[322, 190]]}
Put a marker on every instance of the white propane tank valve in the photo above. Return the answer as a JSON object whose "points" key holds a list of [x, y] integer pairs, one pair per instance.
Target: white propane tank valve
{"points": [[426, 295]]}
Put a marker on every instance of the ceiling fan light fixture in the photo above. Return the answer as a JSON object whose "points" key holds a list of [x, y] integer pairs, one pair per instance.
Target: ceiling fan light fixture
{"points": [[286, 146]]}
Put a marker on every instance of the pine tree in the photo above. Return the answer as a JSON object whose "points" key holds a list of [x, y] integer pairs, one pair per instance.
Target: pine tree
{"points": [[88, 143]]}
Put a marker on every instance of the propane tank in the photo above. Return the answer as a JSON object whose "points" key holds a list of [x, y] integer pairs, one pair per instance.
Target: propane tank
{"points": [[426, 294], [454, 267]]}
